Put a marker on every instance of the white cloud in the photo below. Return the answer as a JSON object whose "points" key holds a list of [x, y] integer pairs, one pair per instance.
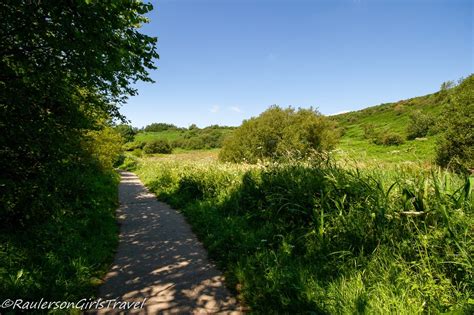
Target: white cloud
{"points": [[235, 109], [215, 109]]}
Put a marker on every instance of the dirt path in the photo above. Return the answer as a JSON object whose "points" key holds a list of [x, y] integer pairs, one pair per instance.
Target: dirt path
{"points": [[159, 258]]}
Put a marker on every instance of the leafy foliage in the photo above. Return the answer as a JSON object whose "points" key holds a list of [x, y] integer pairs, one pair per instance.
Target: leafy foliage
{"points": [[104, 145], [157, 146], [388, 138], [157, 127], [456, 148], [419, 126], [278, 133], [64, 71], [127, 132]]}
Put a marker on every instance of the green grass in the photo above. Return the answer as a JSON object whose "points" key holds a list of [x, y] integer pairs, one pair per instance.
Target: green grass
{"points": [[65, 256], [316, 238], [169, 135], [363, 151], [390, 117]]}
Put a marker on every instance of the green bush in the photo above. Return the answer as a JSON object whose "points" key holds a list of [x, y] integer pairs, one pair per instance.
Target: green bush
{"points": [[157, 146], [388, 139], [419, 125], [369, 131], [278, 133], [131, 146], [130, 163], [455, 149]]}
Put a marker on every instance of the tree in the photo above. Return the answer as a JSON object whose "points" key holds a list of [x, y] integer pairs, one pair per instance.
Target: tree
{"points": [[456, 147], [447, 85], [277, 133], [157, 127], [419, 125], [63, 69], [126, 131]]}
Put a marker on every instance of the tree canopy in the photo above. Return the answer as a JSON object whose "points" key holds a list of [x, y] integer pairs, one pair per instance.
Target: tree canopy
{"points": [[277, 133], [65, 68]]}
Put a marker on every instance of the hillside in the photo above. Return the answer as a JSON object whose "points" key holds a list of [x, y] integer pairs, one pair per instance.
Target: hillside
{"points": [[390, 118], [192, 138], [358, 132]]}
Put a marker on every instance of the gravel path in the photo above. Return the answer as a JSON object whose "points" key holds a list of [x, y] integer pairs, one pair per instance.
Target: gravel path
{"points": [[160, 259]]}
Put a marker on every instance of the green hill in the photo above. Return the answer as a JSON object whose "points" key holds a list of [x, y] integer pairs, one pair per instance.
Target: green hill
{"points": [[193, 138], [359, 128]]}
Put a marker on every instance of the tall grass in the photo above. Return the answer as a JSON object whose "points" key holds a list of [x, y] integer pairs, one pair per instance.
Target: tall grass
{"points": [[63, 257], [314, 237]]}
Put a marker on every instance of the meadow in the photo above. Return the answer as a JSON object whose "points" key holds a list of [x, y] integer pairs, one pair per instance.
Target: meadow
{"points": [[324, 237], [302, 222]]}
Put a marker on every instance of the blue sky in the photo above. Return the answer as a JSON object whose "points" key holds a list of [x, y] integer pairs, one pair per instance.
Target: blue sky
{"points": [[222, 61]]}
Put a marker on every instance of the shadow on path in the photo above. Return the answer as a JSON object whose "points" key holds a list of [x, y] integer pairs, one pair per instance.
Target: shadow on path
{"points": [[159, 258]]}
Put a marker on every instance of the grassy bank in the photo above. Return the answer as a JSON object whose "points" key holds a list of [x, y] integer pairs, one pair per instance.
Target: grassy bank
{"points": [[312, 237], [64, 256]]}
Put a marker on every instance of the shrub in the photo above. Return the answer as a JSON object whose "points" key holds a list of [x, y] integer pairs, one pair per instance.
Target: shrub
{"points": [[158, 146], [456, 148], [131, 146], [104, 145], [130, 163], [369, 131], [137, 152], [278, 132], [390, 138], [419, 126]]}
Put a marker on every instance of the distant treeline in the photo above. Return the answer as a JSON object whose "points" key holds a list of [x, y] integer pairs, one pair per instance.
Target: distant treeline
{"points": [[159, 127]]}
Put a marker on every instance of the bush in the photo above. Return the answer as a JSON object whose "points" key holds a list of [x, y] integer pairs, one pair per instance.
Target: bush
{"points": [[277, 133], [456, 148], [131, 146], [105, 145], [390, 138], [419, 126], [369, 131], [130, 163], [158, 146]]}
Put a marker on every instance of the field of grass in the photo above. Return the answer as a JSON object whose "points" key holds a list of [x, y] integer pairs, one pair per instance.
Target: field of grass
{"points": [[169, 135], [314, 237]]}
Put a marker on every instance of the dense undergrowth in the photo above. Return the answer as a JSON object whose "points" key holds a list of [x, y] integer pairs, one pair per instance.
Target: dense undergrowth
{"points": [[63, 257], [64, 73], [315, 238]]}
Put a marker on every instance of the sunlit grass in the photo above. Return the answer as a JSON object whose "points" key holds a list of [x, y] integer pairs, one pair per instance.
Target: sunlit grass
{"points": [[315, 237]]}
